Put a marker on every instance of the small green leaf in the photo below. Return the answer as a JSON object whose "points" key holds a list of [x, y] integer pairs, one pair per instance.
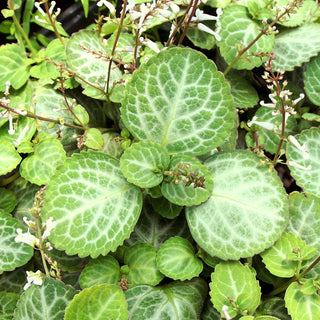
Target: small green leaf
{"points": [[309, 287], [8, 200], [85, 5], [13, 66], [12, 254], [141, 260], [9, 157], [294, 46], [93, 139], [231, 280], [143, 164], [243, 93], [176, 300], [178, 189], [176, 259], [301, 306], [100, 302], [99, 271], [278, 258], [164, 207], [179, 100], [247, 210], [41, 166], [81, 115], [95, 208], [47, 301], [303, 159], [239, 30]]}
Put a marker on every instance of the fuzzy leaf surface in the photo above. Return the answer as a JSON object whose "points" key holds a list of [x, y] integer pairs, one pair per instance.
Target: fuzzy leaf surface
{"points": [[179, 100], [9, 157], [8, 200], [294, 46], [100, 302], [304, 160], [94, 207], [8, 301], [247, 210], [177, 300]]}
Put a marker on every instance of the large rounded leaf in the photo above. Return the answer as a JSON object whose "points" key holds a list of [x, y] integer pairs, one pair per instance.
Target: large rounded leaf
{"points": [[247, 211], [179, 100], [95, 208]]}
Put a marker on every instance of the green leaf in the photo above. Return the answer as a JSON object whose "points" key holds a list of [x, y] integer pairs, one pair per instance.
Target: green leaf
{"points": [[40, 167], [304, 213], [229, 281], [312, 80], [274, 307], [301, 306], [276, 257], [200, 38], [87, 65], [47, 301], [209, 312], [309, 287], [14, 281], [164, 207], [294, 46], [177, 300], [99, 271], [85, 5], [237, 30], [179, 192], [179, 100], [81, 115], [13, 66], [111, 145], [94, 207], [155, 230], [12, 254], [143, 164], [247, 211], [176, 259], [303, 160], [9, 157], [243, 93], [93, 139], [141, 260], [8, 200], [100, 302], [8, 303]]}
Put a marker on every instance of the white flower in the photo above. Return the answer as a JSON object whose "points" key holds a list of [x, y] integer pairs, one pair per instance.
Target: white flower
{"points": [[108, 5], [201, 16], [150, 44], [37, 5], [225, 312], [50, 224], [11, 131], [175, 8], [263, 124], [29, 223], [299, 166], [33, 277], [204, 28], [6, 91], [295, 142], [27, 238]]}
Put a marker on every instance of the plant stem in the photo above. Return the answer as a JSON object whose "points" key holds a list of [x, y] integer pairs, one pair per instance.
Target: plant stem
{"points": [[18, 25], [123, 13], [33, 116], [185, 30], [53, 23], [39, 234]]}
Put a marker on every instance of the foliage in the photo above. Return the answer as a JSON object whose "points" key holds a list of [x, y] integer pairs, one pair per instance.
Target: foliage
{"points": [[161, 162]]}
